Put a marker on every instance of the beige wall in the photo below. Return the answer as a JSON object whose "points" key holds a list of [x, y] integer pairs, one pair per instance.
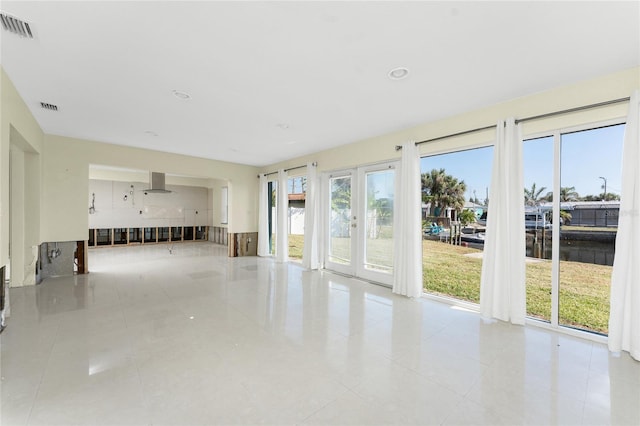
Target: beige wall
{"points": [[123, 175], [382, 148], [65, 172], [19, 133]]}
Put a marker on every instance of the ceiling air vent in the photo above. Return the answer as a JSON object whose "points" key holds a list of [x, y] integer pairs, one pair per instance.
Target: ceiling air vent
{"points": [[15, 25], [50, 107]]}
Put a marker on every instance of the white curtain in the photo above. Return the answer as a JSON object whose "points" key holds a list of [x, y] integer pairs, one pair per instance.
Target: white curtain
{"points": [[407, 259], [282, 233], [311, 216], [322, 197], [263, 217], [624, 316], [502, 286]]}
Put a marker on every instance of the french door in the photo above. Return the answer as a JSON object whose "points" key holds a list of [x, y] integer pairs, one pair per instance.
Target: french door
{"points": [[359, 222]]}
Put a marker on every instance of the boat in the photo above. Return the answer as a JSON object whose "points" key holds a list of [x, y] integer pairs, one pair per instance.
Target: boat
{"points": [[477, 238]]}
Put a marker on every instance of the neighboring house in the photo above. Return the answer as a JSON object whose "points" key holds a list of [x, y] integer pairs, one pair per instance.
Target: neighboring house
{"points": [[592, 213], [427, 212], [583, 213], [478, 209]]}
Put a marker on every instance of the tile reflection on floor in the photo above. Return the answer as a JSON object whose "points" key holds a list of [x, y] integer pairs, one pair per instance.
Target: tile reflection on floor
{"points": [[191, 337]]}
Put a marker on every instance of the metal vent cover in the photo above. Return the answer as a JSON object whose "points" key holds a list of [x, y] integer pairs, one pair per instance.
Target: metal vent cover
{"points": [[50, 107], [15, 25], [156, 180]]}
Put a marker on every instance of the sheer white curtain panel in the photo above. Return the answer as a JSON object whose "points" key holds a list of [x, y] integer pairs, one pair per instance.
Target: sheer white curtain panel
{"points": [[624, 314], [502, 285], [311, 217], [407, 263], [282, 233], [263, 217]]}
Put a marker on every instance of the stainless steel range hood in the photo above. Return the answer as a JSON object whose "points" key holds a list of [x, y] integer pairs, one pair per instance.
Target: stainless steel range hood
{"points": [[156, 180]]}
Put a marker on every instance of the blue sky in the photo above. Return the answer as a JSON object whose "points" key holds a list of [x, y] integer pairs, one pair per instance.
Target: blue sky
{"points": [[585, 157]]}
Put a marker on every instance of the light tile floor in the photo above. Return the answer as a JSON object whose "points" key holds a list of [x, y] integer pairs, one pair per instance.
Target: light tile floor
{"points": [[194, 337]]}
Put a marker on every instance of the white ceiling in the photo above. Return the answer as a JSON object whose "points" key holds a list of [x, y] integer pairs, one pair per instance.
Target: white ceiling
{"points": [[275, 80]]}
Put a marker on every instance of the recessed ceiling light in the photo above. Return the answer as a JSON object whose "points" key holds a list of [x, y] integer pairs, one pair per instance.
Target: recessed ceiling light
{"points": [[181, 95], [398, 73], [151, 133], [283, 126]]}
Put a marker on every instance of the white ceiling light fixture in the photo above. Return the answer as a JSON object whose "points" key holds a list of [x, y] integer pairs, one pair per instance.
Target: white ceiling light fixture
{"points": [[282, 126], [181, 95], [398, 73]]}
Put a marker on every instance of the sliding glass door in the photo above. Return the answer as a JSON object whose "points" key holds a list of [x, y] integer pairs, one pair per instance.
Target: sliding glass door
{"points": [[589, 196], [572, 197]]}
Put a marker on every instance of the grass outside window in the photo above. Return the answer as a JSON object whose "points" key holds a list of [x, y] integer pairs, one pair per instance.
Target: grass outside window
{"points": [[454, 271]]}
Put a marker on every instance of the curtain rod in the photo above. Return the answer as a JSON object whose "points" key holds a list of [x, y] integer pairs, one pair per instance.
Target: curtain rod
{"points": [[523, 120], [466, 132], [570, 110], [314, 164]]}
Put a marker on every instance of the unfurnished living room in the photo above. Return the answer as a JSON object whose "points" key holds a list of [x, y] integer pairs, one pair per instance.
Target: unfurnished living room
{"points": [[310, 212]]}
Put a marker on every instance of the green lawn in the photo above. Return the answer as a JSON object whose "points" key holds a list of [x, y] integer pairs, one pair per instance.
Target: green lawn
{"points": [[588, 228], [296, 244], [584, 287]]}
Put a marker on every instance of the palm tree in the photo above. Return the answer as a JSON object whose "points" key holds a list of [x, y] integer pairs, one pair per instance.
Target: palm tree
{"points": [[466, 217], [568, 193], [532, 196], [610, 196], [443, 191], [566, 217]]}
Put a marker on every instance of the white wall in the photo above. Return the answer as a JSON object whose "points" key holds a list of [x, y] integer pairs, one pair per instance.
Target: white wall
{"points": [[296, 220], [184, 206], [215, 194]]}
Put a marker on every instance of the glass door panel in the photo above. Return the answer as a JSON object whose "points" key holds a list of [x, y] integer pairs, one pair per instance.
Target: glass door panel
{"points": [[272, 191], [297, 187], [378, 241], [341, 223], [538, 199], [591, 162]]}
